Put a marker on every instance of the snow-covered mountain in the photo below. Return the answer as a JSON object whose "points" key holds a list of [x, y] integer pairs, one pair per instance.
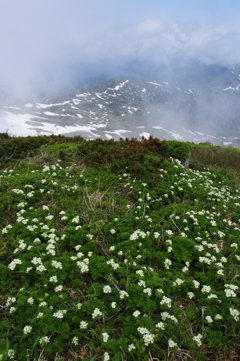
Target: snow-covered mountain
{"points": [[201, 105]]}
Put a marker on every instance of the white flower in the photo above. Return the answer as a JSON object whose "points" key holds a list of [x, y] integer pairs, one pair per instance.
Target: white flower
{"points": [[44, 340], [199, 248], [96, 313], [41, 268], [10, 300], [230, 293], [13, 264], [141, 283], [123, 294], [171, 343], [148, 291], [113, 304], [160, 325], [107, 289], [143, 330], [212, 295], [30, 300], [53, 279], [173, 318], [56, 264], [36, 260], [131, 347], [165, 315], [232, 287], [113, 264], [196, 283], [136, 313], [198, 339], [83, 325], [235, 313], [40, 315], [42, 304], [27, 329], [90, 236], [140, 273], [206, 289], [167, 263], [105, 336], [190, 295], [178, 282], [75, 219], [59, 314], [106, 356], [58, 288], [209, 319], [11, 353], [75, 340], [148, 338], [166, 301], [112, 231]]}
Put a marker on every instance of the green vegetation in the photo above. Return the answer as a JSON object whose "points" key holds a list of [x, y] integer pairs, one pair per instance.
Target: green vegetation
{"points": [[112, 250]]}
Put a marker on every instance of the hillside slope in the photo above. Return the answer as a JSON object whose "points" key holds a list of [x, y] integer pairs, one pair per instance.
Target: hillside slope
{"points": [[114, 250]]}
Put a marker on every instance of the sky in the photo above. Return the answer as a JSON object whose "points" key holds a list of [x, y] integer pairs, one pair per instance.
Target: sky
{"points": [[47, 44]]}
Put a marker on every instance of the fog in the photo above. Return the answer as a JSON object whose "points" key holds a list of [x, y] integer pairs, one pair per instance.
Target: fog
{"points": [[51, 46]]}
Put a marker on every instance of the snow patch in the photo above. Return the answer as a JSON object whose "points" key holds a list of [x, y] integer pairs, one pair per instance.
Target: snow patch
{"points": [[117, 87], [153, 83], [108, 136], [40, 105], [121, 131], [51, 114], [145, 135], [99, 96], [83, 95], [17, 124]]}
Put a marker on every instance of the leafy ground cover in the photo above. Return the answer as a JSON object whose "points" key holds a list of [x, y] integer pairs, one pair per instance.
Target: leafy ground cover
{"points": [[117, 254]]}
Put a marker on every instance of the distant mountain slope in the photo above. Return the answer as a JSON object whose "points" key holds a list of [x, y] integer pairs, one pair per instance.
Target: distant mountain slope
{"points": [[198, 105]]}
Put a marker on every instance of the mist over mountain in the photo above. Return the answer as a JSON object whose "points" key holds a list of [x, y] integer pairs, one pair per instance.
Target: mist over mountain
{"points": [[181, 53], [195, 102]]}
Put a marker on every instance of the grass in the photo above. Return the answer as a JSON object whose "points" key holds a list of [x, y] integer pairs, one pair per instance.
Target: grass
{"points": [[115, 251], [225, 160]]}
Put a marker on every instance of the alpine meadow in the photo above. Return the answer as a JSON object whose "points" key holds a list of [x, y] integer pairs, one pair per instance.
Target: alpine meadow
{"points": [[118, 250]]}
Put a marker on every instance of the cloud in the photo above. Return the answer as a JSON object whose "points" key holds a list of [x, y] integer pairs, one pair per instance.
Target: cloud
{"points": [[45, 45], [160, 42]]}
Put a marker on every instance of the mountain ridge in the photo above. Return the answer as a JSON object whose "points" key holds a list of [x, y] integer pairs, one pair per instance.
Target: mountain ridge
{"points": [[181, 108]]}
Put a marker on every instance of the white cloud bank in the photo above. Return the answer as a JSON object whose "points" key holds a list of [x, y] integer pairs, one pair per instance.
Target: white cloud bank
{"points": [[42, 41]]}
